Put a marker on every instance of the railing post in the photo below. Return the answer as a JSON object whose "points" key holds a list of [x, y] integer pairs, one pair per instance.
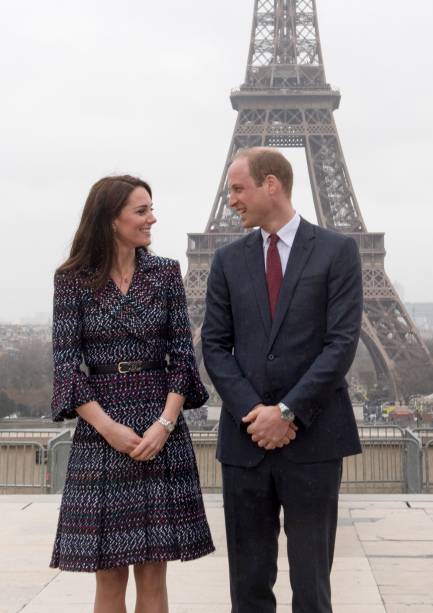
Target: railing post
{"points": [[55, 481], [428, 463], [58, 456], [413, 463]]}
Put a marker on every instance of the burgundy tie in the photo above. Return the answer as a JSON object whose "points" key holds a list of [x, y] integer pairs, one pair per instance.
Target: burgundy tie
{"points": [[274, 273]]}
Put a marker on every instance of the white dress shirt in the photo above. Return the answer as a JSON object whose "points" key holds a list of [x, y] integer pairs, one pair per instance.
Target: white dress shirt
{"points": [[286, 234]]}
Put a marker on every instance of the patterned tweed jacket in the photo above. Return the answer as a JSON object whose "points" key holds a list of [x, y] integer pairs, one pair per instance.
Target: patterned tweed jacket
{"points": [[149, 323]]}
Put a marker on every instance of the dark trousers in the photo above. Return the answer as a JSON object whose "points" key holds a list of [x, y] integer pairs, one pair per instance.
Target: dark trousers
{"points": [[253, 498]]}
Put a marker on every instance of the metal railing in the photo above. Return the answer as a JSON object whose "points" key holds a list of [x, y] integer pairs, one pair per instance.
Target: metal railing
{"points": [[209, 468], [29, 433], [424, 433], [25, 457], [428, 467], [388, 464], [380, 431], [393, 461], [22, 467], [426, 436]]}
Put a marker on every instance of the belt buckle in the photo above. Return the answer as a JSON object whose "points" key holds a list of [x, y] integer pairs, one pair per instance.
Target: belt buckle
{"points": [[125, 367], [120, 367]]}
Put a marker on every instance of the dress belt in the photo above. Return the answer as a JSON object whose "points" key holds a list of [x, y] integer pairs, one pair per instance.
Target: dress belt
{"points": [[125, 367]]}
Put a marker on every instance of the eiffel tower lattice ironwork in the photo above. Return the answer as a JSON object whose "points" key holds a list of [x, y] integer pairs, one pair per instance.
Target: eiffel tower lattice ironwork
{"points": [[285, 101]]}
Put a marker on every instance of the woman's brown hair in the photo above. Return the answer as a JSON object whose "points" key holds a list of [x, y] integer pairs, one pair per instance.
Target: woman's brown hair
{"points": [[93, 248]]}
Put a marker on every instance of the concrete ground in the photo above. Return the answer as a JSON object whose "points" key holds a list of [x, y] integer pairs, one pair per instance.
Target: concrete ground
{"points": [[384, 561]]}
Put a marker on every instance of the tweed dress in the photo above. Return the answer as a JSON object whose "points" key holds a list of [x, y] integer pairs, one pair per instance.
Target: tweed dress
{"points": [[116, 511]]}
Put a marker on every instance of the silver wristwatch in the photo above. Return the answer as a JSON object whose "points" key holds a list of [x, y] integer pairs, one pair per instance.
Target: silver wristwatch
{"points": [[167, 424], [286, 413]]}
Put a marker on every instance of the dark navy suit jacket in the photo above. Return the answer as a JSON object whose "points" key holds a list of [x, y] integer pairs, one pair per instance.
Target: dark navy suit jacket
{"points": [[301, 358]]}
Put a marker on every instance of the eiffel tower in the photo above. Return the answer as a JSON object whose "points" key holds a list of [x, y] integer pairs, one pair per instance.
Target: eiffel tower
{"points": [[284, 102]]}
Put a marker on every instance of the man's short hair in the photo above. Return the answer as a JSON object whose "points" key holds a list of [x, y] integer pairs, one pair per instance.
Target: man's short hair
{"points": [[264, 161]]}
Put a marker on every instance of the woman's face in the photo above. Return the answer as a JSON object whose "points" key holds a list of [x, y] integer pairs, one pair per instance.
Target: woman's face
{"points": [[132, 228]]}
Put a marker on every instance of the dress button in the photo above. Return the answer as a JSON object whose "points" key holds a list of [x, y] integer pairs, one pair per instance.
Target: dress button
{"points": [[271, 357]]}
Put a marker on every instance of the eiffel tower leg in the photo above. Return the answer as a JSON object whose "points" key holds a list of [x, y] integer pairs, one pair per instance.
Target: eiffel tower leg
{"points": [[382, 364], [390, 328]]}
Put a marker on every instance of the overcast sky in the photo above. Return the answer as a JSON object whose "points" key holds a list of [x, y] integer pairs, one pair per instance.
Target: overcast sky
{"points": [[95, 87]]}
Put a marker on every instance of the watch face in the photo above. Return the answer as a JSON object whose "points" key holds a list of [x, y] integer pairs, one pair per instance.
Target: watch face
{"points": [[287, 414]]}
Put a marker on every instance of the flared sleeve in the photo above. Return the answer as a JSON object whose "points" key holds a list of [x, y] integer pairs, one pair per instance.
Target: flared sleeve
{"points": [[71, 386], [183, 376]]}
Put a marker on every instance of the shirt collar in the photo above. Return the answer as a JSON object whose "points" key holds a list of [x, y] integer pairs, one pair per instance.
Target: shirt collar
{"points": [[287, 233]]}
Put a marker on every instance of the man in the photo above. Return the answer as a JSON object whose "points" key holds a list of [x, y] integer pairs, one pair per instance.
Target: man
{"points": [[282, 323]]}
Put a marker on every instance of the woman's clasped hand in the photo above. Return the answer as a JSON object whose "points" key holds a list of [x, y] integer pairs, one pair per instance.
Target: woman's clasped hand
{"points": [[151, 444], [124, 439]]}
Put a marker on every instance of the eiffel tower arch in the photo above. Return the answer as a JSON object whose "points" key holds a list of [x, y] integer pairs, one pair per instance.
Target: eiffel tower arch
{"points": [[285, 101]]}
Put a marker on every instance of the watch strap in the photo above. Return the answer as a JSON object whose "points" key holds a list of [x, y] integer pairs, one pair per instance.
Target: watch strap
{"points": [[167, 424]]}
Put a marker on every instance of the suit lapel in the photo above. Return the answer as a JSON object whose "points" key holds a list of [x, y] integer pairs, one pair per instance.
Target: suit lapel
{"points": [[301, 250], [256, 268]]}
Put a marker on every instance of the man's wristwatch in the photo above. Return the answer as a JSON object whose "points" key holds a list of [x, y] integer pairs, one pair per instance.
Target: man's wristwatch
{"points": [[286, 413], [167, 424]]}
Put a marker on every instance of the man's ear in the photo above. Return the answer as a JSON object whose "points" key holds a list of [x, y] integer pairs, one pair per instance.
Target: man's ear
{"points": [[273, 184]]}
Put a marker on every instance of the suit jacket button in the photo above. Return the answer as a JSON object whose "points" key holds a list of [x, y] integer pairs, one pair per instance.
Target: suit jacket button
{"points": [[271, 357], [267, 397]]}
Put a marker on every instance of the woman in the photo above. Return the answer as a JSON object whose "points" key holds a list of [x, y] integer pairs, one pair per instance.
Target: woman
{"points": [[132, 494]]}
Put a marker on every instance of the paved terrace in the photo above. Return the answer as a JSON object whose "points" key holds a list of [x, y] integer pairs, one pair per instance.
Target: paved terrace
{"points": [[384, 561]]}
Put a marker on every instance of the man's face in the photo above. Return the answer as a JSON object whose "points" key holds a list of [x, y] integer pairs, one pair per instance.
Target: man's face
{"points": [[250, 201]]}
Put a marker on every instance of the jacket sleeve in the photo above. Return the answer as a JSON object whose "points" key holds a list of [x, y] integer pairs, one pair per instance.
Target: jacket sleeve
{"points": [[237, 393], [344, 315], [183, 376], [71, 387]]}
